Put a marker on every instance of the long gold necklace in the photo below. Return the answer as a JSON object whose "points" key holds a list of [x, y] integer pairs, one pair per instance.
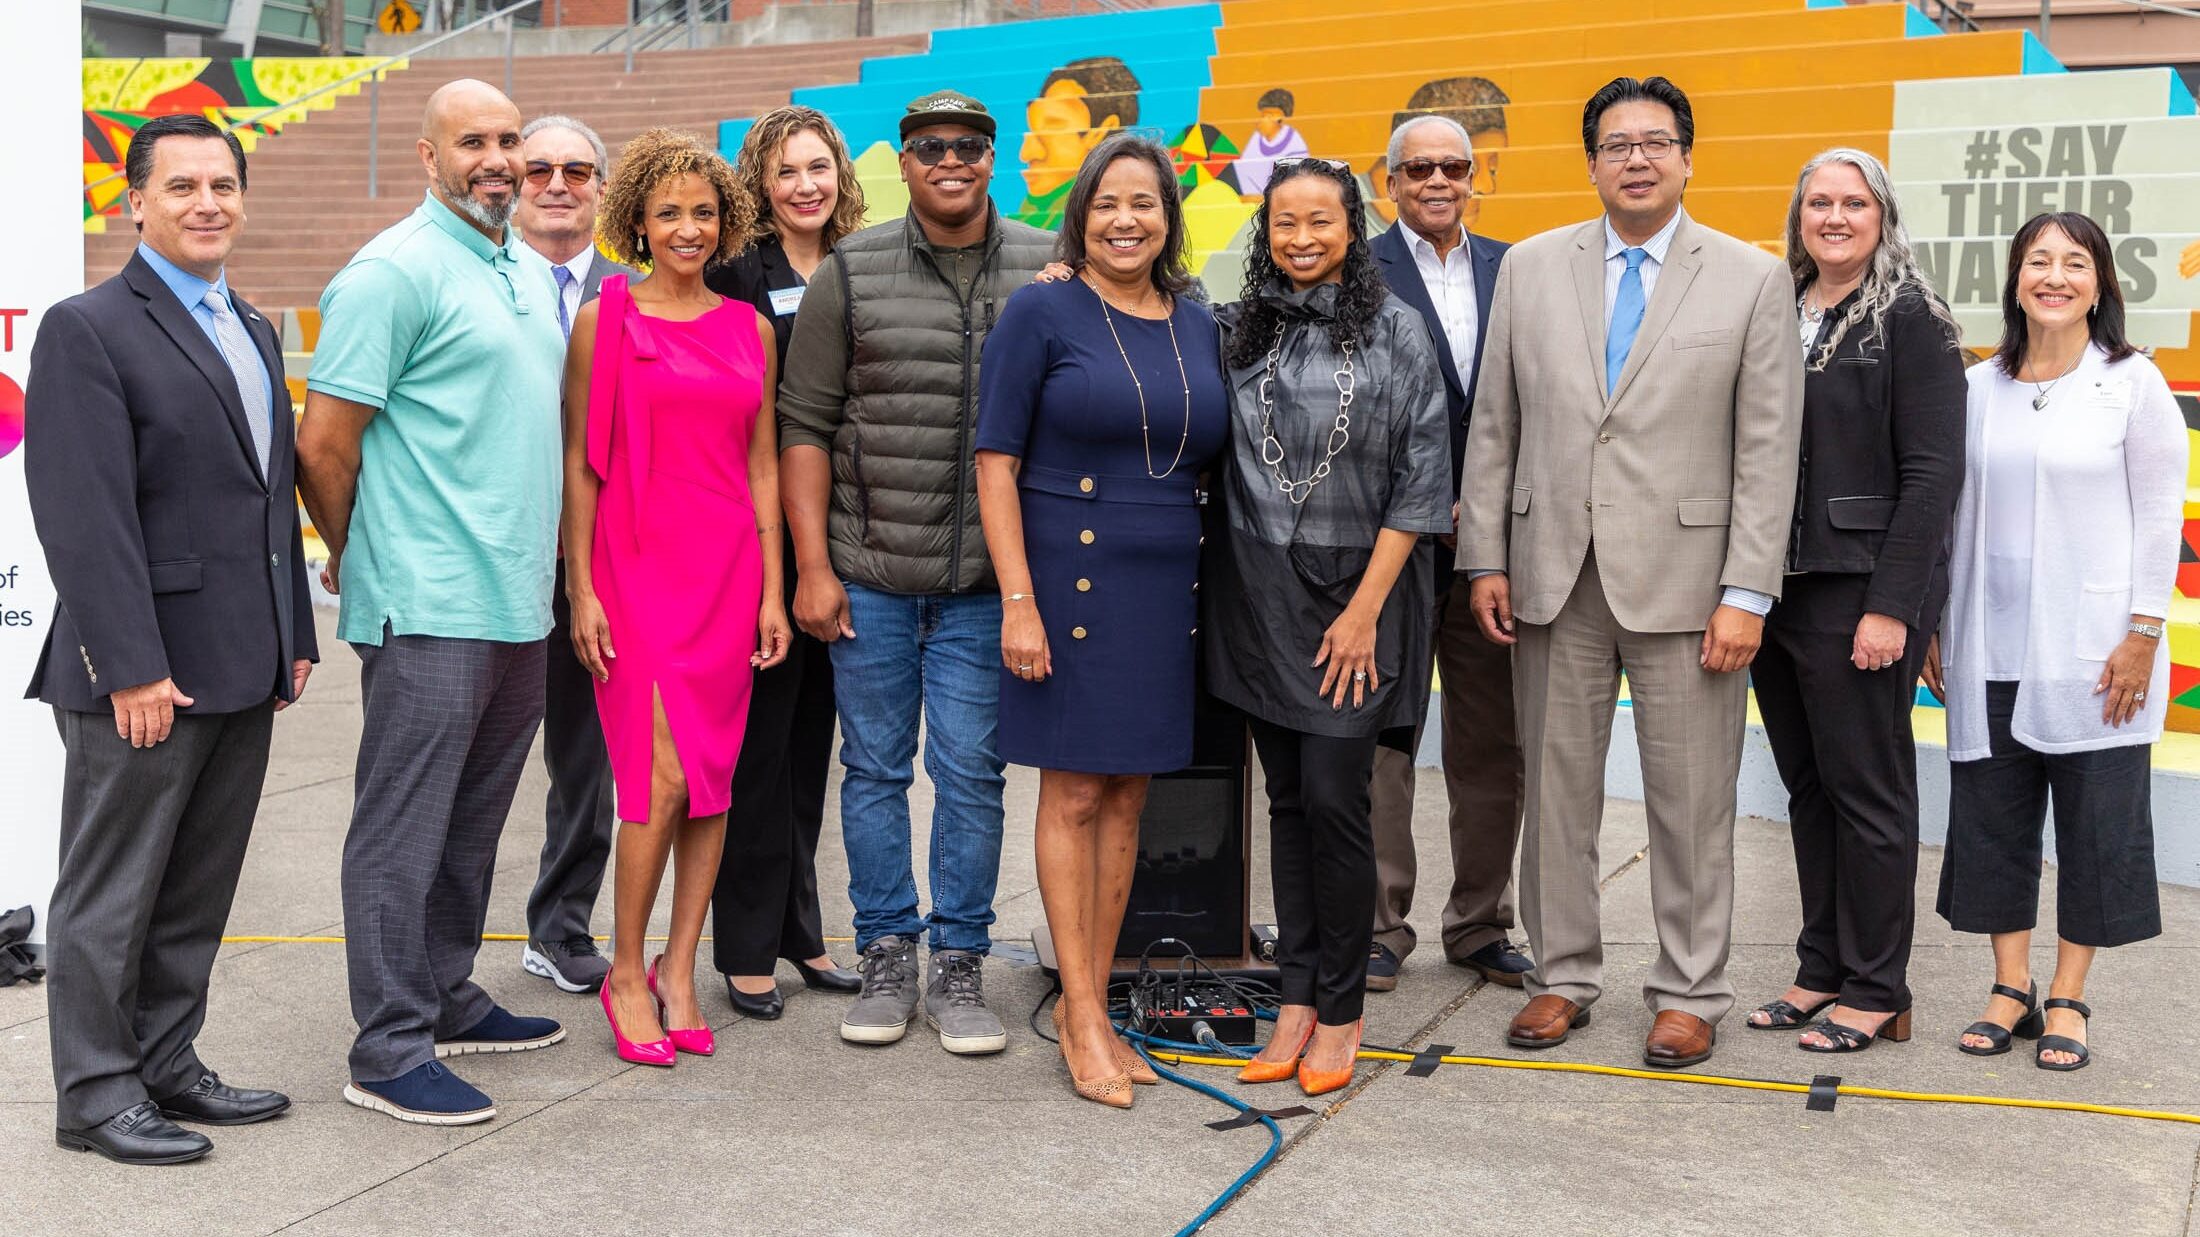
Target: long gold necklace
{"points": [[1145, 429]]}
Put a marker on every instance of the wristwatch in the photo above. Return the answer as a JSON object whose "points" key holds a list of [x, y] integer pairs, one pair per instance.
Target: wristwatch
{"points": [[2152, 631]]}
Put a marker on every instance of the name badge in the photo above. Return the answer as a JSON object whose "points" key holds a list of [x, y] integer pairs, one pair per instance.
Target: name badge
{"points": [[2110, 394], [785, 300]]}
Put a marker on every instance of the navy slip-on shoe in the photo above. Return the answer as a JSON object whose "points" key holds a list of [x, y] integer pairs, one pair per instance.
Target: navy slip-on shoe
{"points": [[1382, 968], [501, 1030], [425, 1095], [1500, 962]]}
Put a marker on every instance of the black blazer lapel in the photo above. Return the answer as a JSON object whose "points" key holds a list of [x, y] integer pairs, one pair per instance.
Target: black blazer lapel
{"points": [[1487, 256], [184, 331], [1404, 277]]}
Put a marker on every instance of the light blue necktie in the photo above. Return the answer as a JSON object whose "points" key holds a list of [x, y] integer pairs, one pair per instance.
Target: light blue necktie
{"points": [[251, 374], [1626, 318], [565, 280]]}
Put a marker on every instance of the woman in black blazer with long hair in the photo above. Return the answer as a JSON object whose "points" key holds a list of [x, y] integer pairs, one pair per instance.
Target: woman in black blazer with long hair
{"points": [[1882, 462], [796, 167]]}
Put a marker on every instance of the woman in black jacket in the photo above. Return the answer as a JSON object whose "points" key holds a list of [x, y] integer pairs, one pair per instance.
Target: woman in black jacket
{"points": [[796, 168], [1882, 462]]}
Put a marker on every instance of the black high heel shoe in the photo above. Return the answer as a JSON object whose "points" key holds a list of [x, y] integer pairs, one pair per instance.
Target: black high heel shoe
{"points": [[2030, 1026], [2063, 1043], [764, 1006], [828, 979], [1785, 1016], [1845, 1038]]}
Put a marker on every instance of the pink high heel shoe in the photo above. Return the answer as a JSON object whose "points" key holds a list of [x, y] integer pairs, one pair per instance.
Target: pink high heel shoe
{"points": [[695, 1041], [656, 1052]]}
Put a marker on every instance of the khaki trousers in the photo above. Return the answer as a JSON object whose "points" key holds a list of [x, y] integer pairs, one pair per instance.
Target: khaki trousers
{"points": [[1688, 727], [1482, 779]]}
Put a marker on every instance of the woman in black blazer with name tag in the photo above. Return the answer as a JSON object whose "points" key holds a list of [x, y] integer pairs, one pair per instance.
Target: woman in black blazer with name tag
{"points": [[1882, 462], [765, 906]]}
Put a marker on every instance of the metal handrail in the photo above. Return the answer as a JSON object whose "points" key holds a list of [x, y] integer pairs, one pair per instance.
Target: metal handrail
{"points": [[1948, 12], [665, 30], [372, 72], [634, 19]]}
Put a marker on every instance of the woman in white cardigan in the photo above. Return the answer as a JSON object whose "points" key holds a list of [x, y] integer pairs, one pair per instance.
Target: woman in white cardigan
{"points": [[2050, 656]]}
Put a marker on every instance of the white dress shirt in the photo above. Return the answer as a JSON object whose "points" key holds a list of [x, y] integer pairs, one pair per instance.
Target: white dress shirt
{"points": [[1615, 265], [1450, 284]]}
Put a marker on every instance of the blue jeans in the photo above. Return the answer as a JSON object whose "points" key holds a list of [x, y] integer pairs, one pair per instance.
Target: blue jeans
{"points": [[936, 657]]}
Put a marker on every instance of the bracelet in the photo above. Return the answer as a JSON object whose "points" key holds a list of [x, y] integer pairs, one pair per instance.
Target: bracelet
{"points": [[2152, 631], [1021, 597]]}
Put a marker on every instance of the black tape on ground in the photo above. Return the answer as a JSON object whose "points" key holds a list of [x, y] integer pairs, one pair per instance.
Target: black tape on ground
{"points": [[1425, 1061], [1252, 1116], [1824, 1090]]}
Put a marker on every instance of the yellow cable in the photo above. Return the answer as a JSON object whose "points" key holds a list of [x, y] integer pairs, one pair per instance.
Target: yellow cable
{"points": [[486, 936], [1750, 1084]]}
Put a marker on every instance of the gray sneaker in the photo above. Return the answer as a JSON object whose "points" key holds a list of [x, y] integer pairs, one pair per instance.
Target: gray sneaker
{"points": [[572, 965], [881, 1014], [954, 1003]]}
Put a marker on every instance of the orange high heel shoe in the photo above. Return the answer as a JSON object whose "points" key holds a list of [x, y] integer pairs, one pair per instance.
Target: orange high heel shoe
{"points": [[1322, 1081], [1257, 1070]]}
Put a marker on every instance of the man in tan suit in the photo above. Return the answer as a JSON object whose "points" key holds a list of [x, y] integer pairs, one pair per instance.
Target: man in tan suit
{"points": [[1629, 482]]}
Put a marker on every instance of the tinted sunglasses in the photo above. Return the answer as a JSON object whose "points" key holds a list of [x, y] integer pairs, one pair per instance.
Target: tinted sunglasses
{"points": [[929, 151], [577, 173], [1422, 169]]}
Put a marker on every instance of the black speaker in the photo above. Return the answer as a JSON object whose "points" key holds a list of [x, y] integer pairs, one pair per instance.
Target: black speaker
{"points": [[1195, 847]]}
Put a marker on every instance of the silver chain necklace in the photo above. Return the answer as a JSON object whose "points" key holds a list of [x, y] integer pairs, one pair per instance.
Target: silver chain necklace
{"points": [[2039, 401], [1145, 427], [1340, 430]]}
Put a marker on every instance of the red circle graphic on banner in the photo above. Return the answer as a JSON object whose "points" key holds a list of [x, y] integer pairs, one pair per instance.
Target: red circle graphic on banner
{"points": [[11, 415]]}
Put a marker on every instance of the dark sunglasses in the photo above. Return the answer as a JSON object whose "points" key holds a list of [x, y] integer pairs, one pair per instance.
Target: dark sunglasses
{"points": [[1422, 169], [968, 148], [577, 173]]}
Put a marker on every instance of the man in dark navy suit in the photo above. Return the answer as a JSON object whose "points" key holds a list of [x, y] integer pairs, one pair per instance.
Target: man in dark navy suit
{"points": [[1435, 265], [157, 449]]}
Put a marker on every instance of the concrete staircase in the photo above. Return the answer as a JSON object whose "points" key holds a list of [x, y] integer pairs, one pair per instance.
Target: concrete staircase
{"points": [[309, 210]]}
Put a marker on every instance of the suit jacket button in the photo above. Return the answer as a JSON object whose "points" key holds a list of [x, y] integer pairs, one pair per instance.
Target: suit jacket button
{"points": [[1085, 484], [1588, 506], [1604, 438], [1084, 586], [1077, 633], [274, 560], [1085, 536]]}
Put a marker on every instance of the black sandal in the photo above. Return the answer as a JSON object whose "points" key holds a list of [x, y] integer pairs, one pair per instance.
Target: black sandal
{"points": [[2063, 1043], [1786, 1015], [2028, 1027], [1895, 1030]]}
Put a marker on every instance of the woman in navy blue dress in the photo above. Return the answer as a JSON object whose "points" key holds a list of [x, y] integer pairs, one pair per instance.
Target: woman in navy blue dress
{"points": [[1100, 403]]}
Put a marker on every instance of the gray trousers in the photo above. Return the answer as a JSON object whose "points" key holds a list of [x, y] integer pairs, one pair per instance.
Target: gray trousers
{"points": [[448, 726], [152, 840], [577, 826]]}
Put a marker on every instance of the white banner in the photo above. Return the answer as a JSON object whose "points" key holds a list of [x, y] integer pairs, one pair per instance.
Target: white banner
{"points": [[40, 66]]}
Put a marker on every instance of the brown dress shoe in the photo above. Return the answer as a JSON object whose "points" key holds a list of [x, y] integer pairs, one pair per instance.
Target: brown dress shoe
{"points": [[1545, 1022], [1678, 1039]]}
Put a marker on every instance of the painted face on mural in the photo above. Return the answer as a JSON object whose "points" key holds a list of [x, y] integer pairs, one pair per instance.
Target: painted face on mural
{"points": [[1434, 205], [1270, 122], [470, 146], [192, 206], [557, 215], [681, 220], [1308, 234], [1126, 226], [1060, 131], [805, 184], [950, 193], [1840, 221], [2058, 285], [1640, 193]]}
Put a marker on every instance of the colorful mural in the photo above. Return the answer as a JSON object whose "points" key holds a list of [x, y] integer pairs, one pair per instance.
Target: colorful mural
{"points": [[120, 95], [1980, 131]]}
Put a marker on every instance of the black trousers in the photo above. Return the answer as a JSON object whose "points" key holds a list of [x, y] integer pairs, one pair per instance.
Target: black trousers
{"points": [[765, 905], [152, 841], [576, 841], [2105, 890], [1321, 859], [1841, 737]]}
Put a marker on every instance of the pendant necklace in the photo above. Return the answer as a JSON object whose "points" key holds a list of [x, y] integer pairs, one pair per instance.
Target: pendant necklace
{"points": [[2039, 401], [1145, 429], [1340, 430]]}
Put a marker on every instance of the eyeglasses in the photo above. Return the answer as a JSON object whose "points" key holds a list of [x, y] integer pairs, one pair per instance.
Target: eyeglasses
{"points": [[576, 174], [1422, 169], [1652, 148], [968, 148]]}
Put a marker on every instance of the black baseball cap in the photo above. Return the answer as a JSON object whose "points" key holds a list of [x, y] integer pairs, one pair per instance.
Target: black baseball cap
{"points": [[946, 107]]}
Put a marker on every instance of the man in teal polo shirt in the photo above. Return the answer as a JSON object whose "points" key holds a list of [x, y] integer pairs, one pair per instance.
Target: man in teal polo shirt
{"points": [[429, 459]]}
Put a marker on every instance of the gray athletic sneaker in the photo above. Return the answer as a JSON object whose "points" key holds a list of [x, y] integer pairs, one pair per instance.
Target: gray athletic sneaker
{"points": [[954, 1003], [574, 965], [881, 1014]]}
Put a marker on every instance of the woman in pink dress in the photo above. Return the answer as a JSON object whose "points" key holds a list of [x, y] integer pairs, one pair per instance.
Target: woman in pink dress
{"points": [[672, 556]]}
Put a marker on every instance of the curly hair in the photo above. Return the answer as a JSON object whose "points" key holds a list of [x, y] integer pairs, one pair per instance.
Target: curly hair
{"points": [[652, 158], [760, 149], [1892, 273], [1359, 298]]}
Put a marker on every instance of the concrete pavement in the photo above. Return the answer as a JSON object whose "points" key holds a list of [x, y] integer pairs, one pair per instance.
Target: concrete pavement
{"points": [[788, 1130]]}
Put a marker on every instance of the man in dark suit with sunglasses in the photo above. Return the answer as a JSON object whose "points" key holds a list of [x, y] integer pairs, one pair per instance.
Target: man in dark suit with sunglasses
{"points": [[1434, 264]]}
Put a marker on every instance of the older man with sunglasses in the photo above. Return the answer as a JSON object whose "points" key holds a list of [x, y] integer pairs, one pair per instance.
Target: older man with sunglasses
{"points": [[1435, 265], [562, 179], [877, 413]]}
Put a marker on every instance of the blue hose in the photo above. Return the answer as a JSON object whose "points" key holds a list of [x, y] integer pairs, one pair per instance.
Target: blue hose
{"points": [[1275, 1132]]}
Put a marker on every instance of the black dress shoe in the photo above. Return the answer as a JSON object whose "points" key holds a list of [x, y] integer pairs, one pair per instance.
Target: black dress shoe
{"points": [[830, 979], [766, 1006], [137, 1135], [1500, 962], [211, 1101]]}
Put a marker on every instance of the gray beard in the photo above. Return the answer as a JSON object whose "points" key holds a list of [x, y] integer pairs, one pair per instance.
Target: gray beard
{"points": [[461, 197]]}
